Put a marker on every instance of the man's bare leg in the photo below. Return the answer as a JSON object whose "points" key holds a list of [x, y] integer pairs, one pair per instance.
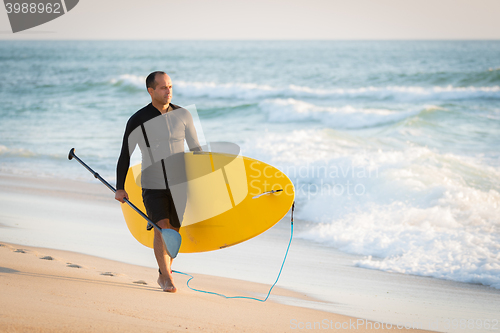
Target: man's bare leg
{"points": [[165, 280]]}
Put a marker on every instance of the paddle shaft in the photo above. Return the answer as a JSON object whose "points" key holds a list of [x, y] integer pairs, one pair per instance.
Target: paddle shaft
{"points": [[72, 155]]}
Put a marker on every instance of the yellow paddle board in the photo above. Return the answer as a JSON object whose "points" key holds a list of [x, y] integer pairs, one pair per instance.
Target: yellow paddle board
{"points": [[225, 201]]}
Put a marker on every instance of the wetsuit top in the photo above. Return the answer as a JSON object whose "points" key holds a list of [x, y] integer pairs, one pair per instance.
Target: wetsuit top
{"points": [[158, 137]]}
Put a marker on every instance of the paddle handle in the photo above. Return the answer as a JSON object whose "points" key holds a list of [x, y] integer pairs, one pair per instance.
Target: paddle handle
{"points": [[72, 155]]}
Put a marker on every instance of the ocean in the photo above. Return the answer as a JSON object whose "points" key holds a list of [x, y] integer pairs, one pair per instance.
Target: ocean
{"points": [[393, 146]]}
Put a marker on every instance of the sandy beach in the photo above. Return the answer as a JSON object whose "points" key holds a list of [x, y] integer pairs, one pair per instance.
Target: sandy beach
{"points": [[49, 290], [46, 290]]}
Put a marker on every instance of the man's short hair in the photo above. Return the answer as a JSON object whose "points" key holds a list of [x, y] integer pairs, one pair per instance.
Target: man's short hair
{"points": [[151, 79]]}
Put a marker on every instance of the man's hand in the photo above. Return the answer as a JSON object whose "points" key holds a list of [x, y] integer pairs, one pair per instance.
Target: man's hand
{"points": [[120, 195]]}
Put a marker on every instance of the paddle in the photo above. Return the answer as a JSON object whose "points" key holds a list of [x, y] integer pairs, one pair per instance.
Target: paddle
{"points": [[171, 238]]}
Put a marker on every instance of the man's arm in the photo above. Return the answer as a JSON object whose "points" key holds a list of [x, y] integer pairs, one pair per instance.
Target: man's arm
{"points": [[191, 136], [123, 164]]}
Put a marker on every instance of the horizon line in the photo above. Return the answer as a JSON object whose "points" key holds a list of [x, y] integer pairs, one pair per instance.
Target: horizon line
{"points": [[257, 40]]}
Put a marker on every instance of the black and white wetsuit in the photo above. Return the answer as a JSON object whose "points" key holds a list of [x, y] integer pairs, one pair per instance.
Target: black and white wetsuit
{"points": [[160, 138]]}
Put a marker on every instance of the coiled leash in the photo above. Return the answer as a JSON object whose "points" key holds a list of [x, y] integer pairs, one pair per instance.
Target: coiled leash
{"points": [[245, 297]]}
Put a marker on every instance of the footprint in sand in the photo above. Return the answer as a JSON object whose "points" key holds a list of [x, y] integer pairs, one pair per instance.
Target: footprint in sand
{"points": [[47, 258], [73, 265], [140, 282], [20, 251], [108, 273]]}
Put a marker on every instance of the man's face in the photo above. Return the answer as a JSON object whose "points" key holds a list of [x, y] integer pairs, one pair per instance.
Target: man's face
{"points": [[162, 94]]}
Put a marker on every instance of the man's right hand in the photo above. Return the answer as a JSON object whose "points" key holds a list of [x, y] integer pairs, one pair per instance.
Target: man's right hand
{"points": [[120, 195]]}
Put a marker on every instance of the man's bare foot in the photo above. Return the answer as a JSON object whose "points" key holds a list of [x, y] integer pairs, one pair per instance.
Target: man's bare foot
{"points": [[161, 283], [166, 283]]}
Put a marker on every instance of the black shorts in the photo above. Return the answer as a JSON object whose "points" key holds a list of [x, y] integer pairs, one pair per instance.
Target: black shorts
{"points": [[160, 205]]}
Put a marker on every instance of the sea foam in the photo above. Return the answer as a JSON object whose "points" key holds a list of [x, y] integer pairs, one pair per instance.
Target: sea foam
{"points": [[292, 110], [413, 211], [251, 91], [398, 93]]}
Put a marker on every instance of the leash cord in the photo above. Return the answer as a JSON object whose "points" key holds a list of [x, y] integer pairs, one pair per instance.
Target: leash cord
{"points": [[245, 297]]}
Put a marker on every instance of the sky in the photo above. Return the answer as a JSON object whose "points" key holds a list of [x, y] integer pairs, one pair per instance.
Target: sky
{"points": [[269, 20]]}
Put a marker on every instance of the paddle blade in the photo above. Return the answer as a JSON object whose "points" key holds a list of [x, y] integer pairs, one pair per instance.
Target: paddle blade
{"points": [[172, 240]]}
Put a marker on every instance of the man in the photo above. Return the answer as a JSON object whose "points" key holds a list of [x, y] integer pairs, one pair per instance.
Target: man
{"points": [[159, 129]]}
